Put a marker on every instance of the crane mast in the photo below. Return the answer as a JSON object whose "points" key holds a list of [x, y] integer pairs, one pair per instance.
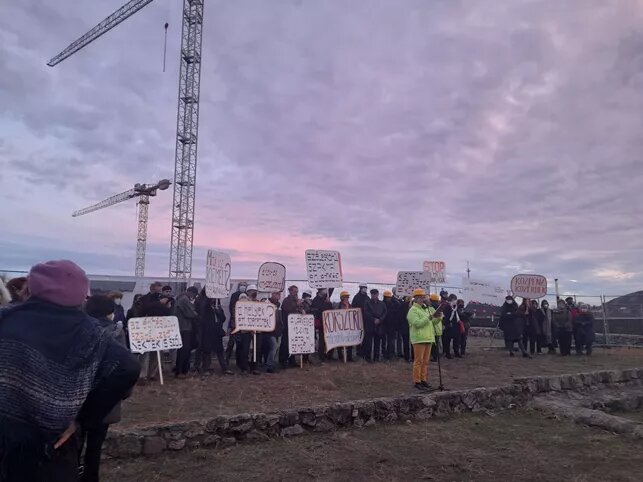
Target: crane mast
{"points": [[187, 125]]}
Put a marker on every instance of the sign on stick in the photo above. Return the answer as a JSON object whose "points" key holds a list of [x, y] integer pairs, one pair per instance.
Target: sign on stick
{"points": [[477, 291], [254, 316], [301, 334], [343, 328], [154, 333], [407, 281], [324, 268], [529, 285], [272, 277], [438, 270], [217, 274]]}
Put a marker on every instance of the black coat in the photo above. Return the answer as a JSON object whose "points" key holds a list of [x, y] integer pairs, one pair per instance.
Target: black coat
{"points": [[359, 300], [584, 327], [511, 322], [211, 323]]}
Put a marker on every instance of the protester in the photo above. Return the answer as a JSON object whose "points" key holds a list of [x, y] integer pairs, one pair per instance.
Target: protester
{"points": [[167, 291], [210, 334], [344, 304], [404, 342], [391, 325], [292, 304], [544, 316], [512, 324], [154, 305], [421, 322], [18, 289], [374, 315], [241, 289], [465, 323], [102, 308], [119, 311], [320, 304], [530, 331], [359, 300], [274, 337], [307, 301], [245, 340], [189, 322], [451, 326], [562, 325], [154, 294], [583, 329], [58, 368], [135, 308], [438, 325]]}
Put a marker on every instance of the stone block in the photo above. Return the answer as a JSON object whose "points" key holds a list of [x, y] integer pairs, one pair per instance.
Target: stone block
{"points": [[240, 424], [194, 443], [424, 414], [176, 444], [292, 431], [370, 422], [288, 419], [554, 384], [154, 445], [195, 430], [341, 413], [218, 425], [308, 418], [211, 440]]}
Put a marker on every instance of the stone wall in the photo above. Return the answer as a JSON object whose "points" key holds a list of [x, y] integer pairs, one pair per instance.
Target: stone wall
{"points": [[224, 431]]}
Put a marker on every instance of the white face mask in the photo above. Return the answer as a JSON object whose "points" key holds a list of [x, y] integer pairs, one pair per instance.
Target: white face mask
{"points": [[362, 290], [510, 302], [118, 301], [242, 289]]}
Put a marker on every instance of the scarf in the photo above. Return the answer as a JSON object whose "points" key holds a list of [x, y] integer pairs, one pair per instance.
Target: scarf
{"points": [[49, 358]]}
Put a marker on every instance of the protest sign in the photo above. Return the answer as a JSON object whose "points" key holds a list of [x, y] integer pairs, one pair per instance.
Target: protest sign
{"points": [[301, 334], [272, 277], [217, 274], [407, 281], [477, 291], [342, 328], [154, 333], [438, 270], [324, 268], [529, 285], [254, 316]]}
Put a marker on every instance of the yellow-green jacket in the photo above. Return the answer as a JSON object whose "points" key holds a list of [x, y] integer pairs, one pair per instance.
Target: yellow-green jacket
{"points": [[421, 325]]}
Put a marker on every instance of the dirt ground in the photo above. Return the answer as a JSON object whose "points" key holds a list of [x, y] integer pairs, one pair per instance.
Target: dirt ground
{"points": [[519, 445], [194, 398]]}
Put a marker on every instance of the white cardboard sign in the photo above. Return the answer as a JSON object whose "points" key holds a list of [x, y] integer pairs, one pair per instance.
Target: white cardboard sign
{"points": [[217, 274], [438, 270], [529, 285], [154, 333], [272, 277], [343, 327], [324, 268], [254, 316], [477, 291], [407, 281], [301, 334]]}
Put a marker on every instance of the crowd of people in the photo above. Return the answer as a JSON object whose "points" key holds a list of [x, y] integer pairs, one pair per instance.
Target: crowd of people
{"points": [[536, 327], [65, 364]]}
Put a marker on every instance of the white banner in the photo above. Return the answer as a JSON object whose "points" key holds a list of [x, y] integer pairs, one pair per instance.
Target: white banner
{"points": [[154, 333], [324, 269], [529, 285], [438, 270], [254, 316], [301, 334], [217, 274], [477, 291], [407, 281], [343, 328], [272, 277]]}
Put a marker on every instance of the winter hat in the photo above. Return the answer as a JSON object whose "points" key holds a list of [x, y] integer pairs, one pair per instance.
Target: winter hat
{"points": [[60, 282]]}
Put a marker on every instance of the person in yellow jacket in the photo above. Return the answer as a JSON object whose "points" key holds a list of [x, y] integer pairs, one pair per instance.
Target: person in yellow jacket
{"points": [[421, 318]]}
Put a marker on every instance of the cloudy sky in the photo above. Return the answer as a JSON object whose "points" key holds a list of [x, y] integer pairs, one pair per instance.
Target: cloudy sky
{"points": [[505, 133]]}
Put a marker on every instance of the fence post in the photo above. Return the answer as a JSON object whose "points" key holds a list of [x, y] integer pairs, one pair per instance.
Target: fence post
{"points": [[605, 330]]}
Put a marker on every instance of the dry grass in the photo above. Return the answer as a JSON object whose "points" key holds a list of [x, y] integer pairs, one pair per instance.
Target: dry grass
{"points": [[510, 446], [198, 398]]}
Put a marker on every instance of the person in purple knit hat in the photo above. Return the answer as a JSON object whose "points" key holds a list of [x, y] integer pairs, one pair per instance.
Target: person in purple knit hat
{"points": [[58, 370]]}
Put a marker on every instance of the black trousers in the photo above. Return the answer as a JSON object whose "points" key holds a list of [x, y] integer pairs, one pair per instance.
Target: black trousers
{"points": [[244, 340], [404, 343], [530, 341], [206, 356], [94, 439], [183, 354], [284, 355], [379, 345], [565, 342], [447, 340], [391, 342], [367, 344]]}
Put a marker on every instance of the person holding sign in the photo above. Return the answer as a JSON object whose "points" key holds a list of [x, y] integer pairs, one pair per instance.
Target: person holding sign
{"points": [[319, 305], [344, 304], [245, 340], [291, 305], [374, 316], [421, 319]]}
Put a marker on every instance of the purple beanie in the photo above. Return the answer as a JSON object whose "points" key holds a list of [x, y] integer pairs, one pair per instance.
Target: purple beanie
{"points": [[61, 282]]}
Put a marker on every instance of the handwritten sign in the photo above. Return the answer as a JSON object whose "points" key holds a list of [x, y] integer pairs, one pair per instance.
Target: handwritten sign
{"points": [[154, 333], [301, 334], [438, 270], [529, 285], [217, 274], [272, 277], [343, 328], [324, 269], [407, 281], [478, 291], [254, 316]]}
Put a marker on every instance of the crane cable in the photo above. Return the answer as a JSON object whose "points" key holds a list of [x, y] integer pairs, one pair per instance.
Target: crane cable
{"points": [[165, 45]]}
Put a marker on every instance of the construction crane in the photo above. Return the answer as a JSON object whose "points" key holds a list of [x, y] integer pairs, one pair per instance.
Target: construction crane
{"points": [[143, 192], [187, 122]]}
